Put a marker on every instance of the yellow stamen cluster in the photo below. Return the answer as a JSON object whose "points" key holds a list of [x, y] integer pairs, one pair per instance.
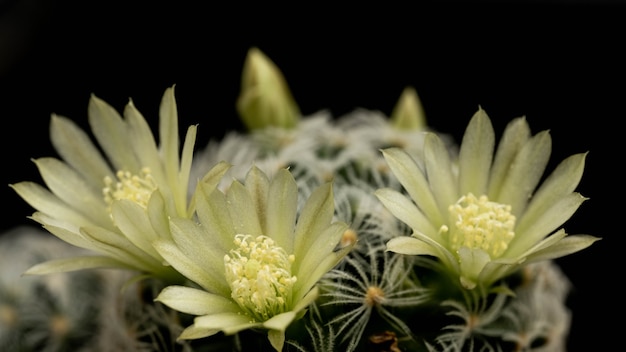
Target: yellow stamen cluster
{"points": [[137, 188], [259, 274], [480, 223]]}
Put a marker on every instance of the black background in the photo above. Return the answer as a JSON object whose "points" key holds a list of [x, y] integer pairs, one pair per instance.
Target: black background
{"points": [[561, 64]]}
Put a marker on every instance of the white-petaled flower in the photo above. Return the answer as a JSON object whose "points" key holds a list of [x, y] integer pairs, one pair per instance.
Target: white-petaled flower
{"points": [[106, 203], [483, 215], [255, 254]]}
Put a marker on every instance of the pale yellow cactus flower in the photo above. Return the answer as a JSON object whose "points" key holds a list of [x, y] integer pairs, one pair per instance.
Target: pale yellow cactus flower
{"points": [[484, 215], [256, 256], [104, 197]]}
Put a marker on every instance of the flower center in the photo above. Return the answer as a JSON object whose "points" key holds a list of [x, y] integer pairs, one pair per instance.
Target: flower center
{"points": [[259, 275], [137, 188], [478, 223]]}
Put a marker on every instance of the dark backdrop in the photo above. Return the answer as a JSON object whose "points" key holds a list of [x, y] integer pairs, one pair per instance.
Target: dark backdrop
{"points": [[561, 64]]}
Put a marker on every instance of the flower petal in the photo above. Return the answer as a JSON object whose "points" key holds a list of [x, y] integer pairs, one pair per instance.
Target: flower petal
{"points": [[439, 172], [410, 246], [526, 172], [561, 182], [229, 323], [314, 218], [77, 149], [197, 302], [558, 213], [46, 203], [242, 210], [515, 135], [406, 211], [282, 209], [412, 178], [190, 269], [568, 245], [280, 322], [475, 155], [71, 188], [112, 135], [132, 220], [76, 263]]}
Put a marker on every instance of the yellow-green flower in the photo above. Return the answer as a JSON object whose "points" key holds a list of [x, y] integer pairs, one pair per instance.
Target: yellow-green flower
{"points": [[484, 215], [256, 255], [104, 203]]}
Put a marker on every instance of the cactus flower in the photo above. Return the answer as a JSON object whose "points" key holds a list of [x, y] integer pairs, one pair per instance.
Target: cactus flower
{"points": [[483, 216], [101, 202], [256, 257]]}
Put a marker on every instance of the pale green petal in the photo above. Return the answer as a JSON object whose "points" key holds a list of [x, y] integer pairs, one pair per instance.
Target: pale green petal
{"points": [[308, 279], [411, 246], [47, 203], [257, 186], [64, 230], [213, 177], [566, 246], [475, 155], [168, 134], [277, 339], [159, 218], [406, 170], [182, 185], [229, 323], [120, 248], [526, 172], [514, 258], [516, 134], [559, 212], [77, 149], [142, 139], [112, 135], [212, 211], [319, 252], [439, 172], [132, 220], [71, 188], [282, 209], [196, 244], [561, 182], [76, 263], [196, 302], [243, 210], [307, 300], [190, 269], [471, 261], [314, 218], [193, 332], [280, 322], [407, 212]]}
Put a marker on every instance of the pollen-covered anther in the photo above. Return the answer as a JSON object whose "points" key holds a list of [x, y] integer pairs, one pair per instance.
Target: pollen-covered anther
{"points": [[478, 223], [137, 188], [259, 274]]}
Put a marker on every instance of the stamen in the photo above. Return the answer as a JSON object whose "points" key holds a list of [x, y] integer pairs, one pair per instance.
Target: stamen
{"points": [[137, 188], [259, 275], [480, 223]]}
